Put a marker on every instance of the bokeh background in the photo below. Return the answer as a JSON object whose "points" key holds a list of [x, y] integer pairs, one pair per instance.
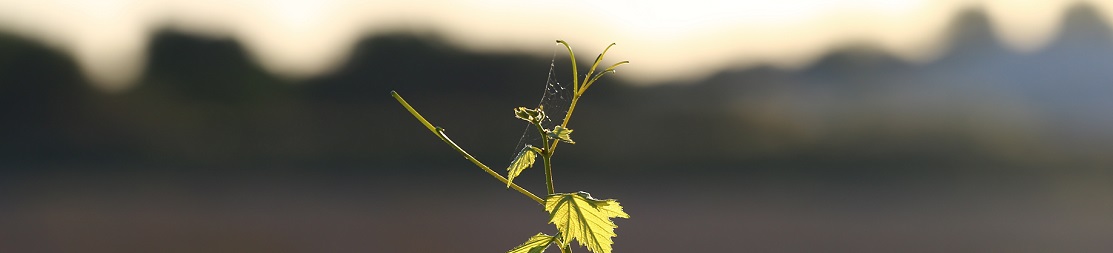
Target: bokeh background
{"points": [[741, 126]]}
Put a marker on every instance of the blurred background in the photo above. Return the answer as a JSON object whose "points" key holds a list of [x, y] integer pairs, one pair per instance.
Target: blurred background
{"points": [[740, 126]]}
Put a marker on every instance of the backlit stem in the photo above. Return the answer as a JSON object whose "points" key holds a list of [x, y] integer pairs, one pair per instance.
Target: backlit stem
{"points": [[439, 132], [545, 156]]}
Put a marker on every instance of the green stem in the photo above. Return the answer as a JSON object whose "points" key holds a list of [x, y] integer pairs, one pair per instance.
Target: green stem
{"points": [[598, 59], [575, 99], [561, 244], [545, 158], [575, 72], [439, 132], [578, 89], [565, 248]]}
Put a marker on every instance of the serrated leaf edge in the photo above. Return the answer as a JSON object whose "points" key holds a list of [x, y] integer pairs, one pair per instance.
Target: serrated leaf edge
{"points": [[562, 134], [525, 159], [596, 238], [535, 244], [531, 115]]}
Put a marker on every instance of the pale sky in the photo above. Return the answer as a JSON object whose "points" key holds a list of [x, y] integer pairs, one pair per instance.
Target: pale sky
{"points": [[665, 40]]}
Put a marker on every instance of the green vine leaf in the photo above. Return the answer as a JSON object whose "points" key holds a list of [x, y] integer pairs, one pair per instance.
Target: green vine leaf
{"points": [[532, 115], [562, 134], [524, 160], [588, 220], [535, 244]]}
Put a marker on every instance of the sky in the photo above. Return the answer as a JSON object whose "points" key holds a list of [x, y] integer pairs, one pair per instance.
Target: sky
{"points": [[667, 40]]}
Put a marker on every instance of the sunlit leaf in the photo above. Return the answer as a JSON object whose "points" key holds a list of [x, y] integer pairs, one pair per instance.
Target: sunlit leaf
{"points": [[588, 220], [562, 134], [611, 208], [535, 244], [523, 161], [531, 115]]}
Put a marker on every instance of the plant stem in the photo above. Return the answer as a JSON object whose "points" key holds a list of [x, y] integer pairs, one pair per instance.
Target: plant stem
{"points": [[575, 72], [565, 248], [439, 132], [575, 99], [546, 158], [579, 91], [546, 155]]}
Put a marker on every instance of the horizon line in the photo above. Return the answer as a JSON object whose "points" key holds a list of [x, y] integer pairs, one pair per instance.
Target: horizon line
{"points": [[113, 59]]}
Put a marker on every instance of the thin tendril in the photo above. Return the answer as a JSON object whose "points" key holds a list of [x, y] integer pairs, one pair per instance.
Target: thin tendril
{"points": [[555, 100]]}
